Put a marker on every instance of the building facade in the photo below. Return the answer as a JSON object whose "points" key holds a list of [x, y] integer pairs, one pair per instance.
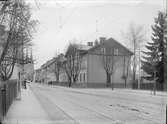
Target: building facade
{"points": [[93, 74]]}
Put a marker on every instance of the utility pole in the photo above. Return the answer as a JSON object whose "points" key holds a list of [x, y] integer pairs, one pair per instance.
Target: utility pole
{"points": [[60, 22], [96, 29], [31, 57], [139, 76], [21, 73]]}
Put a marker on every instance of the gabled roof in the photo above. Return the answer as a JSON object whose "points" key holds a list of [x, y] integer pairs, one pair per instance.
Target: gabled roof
{"points": [[47, 63], [60, 57], [84, 49], [120, 45], [110, 40]]}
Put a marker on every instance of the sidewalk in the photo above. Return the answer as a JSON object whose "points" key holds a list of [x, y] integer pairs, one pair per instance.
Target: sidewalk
{"points": [[26, 111]]}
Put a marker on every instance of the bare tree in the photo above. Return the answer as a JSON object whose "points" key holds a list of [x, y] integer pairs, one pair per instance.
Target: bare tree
{"points": [[58, 65], [72, 64], [57, 69], [136, 36], [16, 17], [126, 64], [108, 61]]}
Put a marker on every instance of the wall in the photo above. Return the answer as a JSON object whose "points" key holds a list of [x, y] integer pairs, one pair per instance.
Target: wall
{"points": [[29, 71], [15, 72], [82, 78], [119, 72], [96, 73], [63, 76]]}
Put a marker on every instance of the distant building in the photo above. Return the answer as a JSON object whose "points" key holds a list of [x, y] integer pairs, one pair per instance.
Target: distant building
{"points": [[46, 72]]}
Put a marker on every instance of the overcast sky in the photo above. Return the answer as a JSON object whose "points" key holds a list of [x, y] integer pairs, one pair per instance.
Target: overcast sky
{"points": [[62, 21]]}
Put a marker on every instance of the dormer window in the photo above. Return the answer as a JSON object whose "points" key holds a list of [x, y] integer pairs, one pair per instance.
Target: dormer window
{"points": [[116, 51]]}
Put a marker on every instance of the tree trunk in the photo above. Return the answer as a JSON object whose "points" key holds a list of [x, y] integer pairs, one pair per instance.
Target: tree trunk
{"points": [[108, 79], [112, 82], [134, 69], [75, 78], [125, 81], [57, 79], [70, 82]]}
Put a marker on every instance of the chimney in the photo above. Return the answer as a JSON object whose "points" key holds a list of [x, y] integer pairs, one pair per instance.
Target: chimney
{"points": [[102, 40], [90, 43]]}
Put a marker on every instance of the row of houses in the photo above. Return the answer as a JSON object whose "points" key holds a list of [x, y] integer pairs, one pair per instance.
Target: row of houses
{"points": [[96, 59]]}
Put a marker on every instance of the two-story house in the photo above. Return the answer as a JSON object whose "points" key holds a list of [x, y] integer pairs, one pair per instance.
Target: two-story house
{"points": [[93, 73]]}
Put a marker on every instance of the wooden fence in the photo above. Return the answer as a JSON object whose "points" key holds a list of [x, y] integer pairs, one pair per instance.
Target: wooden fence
{"points": [[8, 93]]}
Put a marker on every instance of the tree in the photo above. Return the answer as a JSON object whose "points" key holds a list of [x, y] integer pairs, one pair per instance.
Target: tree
{"points": [[108, 61], [153, 61], [58, 65], [16, 17], [126, 64], [57, 69], [135, 36], [72, 64]]}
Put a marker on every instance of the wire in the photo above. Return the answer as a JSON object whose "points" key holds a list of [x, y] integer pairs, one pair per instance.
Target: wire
{"points": [[98, 29]]}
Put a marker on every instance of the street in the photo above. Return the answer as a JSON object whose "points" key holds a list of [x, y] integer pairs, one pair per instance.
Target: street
{"points": [[100, 106]]}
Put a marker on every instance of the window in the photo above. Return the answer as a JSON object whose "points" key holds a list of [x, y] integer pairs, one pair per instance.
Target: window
{"points": [[115, 51], [103, 50]]}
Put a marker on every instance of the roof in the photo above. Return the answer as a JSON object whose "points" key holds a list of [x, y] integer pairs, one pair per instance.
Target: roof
{"points": [[121, 45], [84, 50], [83, 47], [79, 47], [51, 61], [109, 40]]}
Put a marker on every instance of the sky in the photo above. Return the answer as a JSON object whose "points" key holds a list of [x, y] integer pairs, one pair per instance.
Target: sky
{"points": [[82, 21]]}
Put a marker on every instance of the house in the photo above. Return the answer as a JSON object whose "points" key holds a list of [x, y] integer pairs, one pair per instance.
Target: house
{"points": [[92, 72], [47, 73]]}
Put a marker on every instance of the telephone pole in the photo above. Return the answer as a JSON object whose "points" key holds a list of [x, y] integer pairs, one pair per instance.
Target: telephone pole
{"points": [[96, 29]]}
